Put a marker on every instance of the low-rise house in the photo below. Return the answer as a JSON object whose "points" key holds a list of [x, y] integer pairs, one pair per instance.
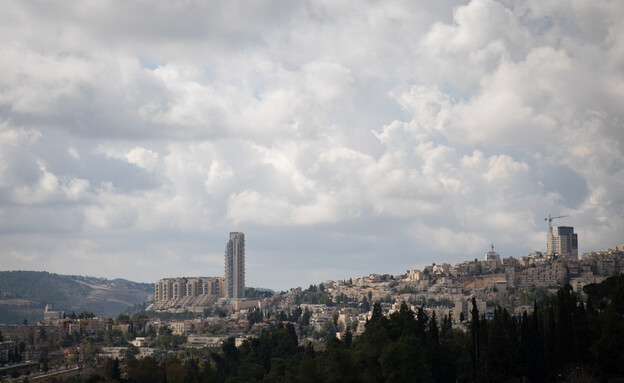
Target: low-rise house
{"points": [[140, 342], [182, 327]]}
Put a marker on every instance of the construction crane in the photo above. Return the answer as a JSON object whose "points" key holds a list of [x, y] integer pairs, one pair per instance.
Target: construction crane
{"points": [[550, 219]]}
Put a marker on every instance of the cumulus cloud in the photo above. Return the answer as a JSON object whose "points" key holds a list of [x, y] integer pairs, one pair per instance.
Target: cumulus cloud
{"points": [[343, 140]]}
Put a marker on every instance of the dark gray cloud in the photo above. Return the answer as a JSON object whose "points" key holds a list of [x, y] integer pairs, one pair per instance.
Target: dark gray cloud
{"points": [[567, 183]]}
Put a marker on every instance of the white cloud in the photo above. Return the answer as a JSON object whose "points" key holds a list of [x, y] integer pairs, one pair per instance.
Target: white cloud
{"points": [[143, 158], [76, 189], [45, 190], [218, 178], [412, 132], [250, 206], [447, 240]]}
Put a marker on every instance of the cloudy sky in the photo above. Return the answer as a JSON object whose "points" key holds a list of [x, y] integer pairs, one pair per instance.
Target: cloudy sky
{"points": [[342, 138]]}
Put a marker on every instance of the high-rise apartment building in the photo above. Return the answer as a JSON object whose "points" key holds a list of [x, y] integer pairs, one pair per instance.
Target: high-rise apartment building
{"points": [[563, 242], [235, 266]]}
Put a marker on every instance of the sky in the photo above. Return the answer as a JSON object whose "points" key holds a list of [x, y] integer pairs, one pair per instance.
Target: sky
{"points": [[343, 138]]}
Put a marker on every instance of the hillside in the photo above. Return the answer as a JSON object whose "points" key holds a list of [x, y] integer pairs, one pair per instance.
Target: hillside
{"points": [[24, 294]]}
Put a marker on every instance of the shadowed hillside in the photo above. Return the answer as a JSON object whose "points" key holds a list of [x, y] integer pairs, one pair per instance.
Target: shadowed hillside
{"points": [[24, 294]]}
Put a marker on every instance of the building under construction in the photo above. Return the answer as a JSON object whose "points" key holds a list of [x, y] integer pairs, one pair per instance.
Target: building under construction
{"points": [[562, 241]]}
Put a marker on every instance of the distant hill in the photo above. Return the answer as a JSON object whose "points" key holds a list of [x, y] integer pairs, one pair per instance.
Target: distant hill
{"points": [[24, 294]]}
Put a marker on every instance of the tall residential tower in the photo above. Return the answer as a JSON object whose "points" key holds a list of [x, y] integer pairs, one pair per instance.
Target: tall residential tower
{"points": [[235, 266]]}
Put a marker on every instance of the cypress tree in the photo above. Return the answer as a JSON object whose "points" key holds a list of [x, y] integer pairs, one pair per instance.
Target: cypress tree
{"points": [[433, 348], [474, 332]]}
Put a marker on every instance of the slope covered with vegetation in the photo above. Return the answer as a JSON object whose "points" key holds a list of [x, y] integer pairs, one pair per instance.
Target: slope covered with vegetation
{"points": [[24, 294]]}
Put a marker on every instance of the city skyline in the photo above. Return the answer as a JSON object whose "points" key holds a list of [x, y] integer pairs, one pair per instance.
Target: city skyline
{"points": [[342, 139]]}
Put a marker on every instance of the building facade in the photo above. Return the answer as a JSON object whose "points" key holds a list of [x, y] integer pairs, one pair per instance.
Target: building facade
{"points": [[492, 255], [170, 289], [235, 266], [563, 242]]}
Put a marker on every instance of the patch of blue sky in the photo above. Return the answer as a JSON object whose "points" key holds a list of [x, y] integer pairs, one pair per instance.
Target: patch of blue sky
{"points": [[257, 94], [454, 93], [151, 64]]}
